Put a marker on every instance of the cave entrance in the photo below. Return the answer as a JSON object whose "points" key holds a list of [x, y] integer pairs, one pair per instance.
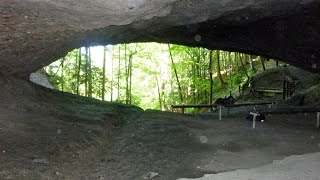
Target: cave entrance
{"points": [[153, 75]]}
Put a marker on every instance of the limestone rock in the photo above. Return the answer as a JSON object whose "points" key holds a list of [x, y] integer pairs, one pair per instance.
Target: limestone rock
{"points": [[41, 79], [34, 33]]}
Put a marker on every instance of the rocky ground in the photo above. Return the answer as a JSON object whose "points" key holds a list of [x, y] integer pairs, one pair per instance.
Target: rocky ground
{"points": [[47, 134]]}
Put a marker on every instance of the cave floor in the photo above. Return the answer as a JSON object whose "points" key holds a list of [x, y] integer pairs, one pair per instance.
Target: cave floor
{"points": [[42, 146]]}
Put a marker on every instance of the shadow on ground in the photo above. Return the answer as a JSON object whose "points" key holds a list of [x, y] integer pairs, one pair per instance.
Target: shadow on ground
{"points": [[47, 134]]}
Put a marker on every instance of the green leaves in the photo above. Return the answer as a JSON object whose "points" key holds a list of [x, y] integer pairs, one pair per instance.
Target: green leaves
{"points": [[144, 73]]}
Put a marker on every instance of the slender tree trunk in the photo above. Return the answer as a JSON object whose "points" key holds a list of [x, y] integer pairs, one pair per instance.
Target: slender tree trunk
{"points": [[176, 74], [163, 100], [159, 93], [62, 75], [225, 64], [204, 73], [104, 73], [236, 58], [78, 73], [127, 74], [130, 78], [198, 74], [118, 98], [90, 74], [263, 60], [244, 68], [230, 71], [86, 73], [211, 79], [130, 73], [253, 68], [111, 85], [194, 76], [222, 83]]}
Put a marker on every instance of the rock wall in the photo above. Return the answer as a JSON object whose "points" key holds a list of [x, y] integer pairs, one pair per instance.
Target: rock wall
{"points": [[34, 33]]}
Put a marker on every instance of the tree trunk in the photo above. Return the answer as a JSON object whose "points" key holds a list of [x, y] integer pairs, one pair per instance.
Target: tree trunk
{"points": [[222, 83], [163, 100], [78, 73], [236, 58], [194, 76], [62, 75], [262, 59], [118, 95], [130, 78], [176, 74], [230, 71], [111, 85], [86, 73], [211, 79], [90, 74], [159, 93], [104, 73], [250, 58], [127, 73], [243, 67]]}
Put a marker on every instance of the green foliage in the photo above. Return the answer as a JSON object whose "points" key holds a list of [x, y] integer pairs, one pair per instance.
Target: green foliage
{"points": [[152, 84]]}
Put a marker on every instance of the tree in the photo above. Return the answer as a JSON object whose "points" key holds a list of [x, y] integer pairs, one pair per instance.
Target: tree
{"points": [[243, 67], [111, 82], [118, 95], [176, 75], [230, 71], [89, 74], [104, 73], [86, 72], [263, 60], [222, 83], [159, 93], [211, 79], [151, 75], [62, 76], [78, 72]]}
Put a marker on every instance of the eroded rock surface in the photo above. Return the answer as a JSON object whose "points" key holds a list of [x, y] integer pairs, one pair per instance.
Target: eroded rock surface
{"points": [[34, 33], [42, 79]]}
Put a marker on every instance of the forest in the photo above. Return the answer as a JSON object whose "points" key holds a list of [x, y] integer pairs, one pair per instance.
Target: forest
{"points": [[154, 76]]}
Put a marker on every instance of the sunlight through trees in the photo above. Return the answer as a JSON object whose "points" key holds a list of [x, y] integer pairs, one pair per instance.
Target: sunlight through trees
{"points": [[152, 75]]}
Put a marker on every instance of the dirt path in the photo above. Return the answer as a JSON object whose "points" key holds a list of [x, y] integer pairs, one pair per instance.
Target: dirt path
{"points": [[43, 137], [170, 144], [176, 146]]}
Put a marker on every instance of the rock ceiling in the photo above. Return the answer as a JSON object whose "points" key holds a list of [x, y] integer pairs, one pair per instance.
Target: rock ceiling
{"points": [[34, 33]]}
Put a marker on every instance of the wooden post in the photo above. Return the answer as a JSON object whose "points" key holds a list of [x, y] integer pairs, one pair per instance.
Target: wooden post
{"points": [[182, 110], [219, 112], [254, 119], [318, 119]]}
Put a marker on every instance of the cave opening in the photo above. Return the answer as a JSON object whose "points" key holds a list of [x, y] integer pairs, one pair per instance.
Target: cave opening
{"points": [[154, 75], [68, 132]]}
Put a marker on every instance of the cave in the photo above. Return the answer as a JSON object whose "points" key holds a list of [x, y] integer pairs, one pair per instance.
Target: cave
{"points": [[35, 33]]}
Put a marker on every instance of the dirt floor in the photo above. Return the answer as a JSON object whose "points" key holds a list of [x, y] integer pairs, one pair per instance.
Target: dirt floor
{"points": [[46, 134]]}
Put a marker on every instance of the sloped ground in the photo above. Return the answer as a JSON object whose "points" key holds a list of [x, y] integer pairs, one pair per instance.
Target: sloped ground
{"points": [[273, 79], [46, 134]]}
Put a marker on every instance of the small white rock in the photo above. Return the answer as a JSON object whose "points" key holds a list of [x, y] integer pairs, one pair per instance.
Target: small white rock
{"points": [[150, 175], [41, 161]]}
